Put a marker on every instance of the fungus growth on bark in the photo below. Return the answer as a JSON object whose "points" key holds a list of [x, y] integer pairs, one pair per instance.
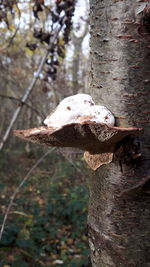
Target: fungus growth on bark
{"points": [[78, 122]]}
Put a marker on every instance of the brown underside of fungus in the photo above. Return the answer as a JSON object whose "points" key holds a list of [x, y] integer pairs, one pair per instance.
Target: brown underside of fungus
{"points": [[97, 140]]}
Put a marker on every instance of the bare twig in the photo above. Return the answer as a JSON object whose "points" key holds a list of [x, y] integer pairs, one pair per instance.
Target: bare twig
{"points": [[18, 189], [18, 26], [31, 257], [12, 38], [19, 100], [71, 161], [23, 100], [31, 86]]}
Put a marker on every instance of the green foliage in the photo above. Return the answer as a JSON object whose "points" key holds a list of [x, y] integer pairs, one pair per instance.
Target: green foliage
{"points": [[47, 224]]}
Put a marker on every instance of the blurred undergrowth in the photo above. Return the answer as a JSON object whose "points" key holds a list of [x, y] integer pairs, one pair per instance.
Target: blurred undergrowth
{"points": [[47, 222]]}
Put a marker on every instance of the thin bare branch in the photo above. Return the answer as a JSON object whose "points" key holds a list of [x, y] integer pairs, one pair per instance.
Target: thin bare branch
{"points": [[18, 189], [31, 86], [18, 26], [19, 100], [23, 100], [65, 155]]}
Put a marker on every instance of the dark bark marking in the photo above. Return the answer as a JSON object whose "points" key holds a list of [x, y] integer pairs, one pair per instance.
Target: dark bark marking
{"points": [[103, 241], [142, 186], [128, 149], [144, 28]]}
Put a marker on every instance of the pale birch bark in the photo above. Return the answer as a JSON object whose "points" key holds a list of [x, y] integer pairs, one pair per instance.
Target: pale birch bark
{"points": [[119, 208], [77, 43]]}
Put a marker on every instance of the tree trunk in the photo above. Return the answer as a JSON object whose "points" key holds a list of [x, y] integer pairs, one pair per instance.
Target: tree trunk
{"points": [[119, 208], [77, 43]]}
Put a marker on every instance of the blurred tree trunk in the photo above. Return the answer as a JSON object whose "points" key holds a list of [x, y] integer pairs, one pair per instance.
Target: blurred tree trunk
{"points": [[77, 43], [119, 208]]}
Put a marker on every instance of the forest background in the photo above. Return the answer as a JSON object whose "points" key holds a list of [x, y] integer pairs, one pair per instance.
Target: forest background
{"points": [[46, 224]]}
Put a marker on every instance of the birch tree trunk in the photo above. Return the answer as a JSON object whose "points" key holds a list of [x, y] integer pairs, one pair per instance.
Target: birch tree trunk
{"points": [[77, 43], [119, 208]]}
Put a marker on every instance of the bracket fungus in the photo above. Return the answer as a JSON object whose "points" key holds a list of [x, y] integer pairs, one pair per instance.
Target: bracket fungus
{"points": [[77, 122]]}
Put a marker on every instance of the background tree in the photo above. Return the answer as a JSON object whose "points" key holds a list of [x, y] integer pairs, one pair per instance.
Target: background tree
{"points": [[51, 28], [118, 220], [77, 43], [36, 233], [28, 30]]}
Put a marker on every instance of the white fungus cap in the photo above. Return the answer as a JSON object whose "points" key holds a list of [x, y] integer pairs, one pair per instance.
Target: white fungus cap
{"points": [[69, 110], [101, 114], [77, 108]]}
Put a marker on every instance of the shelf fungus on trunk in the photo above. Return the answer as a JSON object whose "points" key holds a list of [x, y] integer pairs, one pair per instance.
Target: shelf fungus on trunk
{"points": [[77, 122]]}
